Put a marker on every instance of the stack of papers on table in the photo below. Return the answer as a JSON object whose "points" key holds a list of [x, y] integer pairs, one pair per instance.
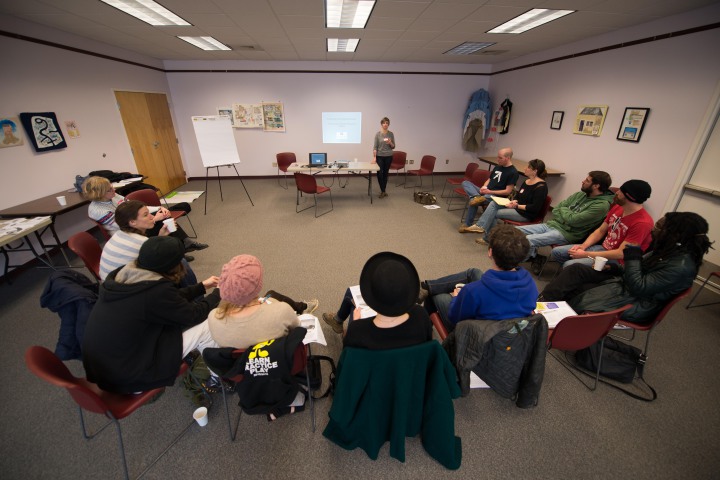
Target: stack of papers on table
{"points": [[554, 312]]}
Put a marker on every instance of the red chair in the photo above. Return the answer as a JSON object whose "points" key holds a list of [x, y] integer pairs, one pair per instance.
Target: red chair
{"points": [[455, 181], [712, 274], [427, 166], [299, 365], [439, 325], [88, 396], [581, 331], [650, 326], [478, 178], [540, 217], [150, 198], [284, 160], [307, 184], [88, 249], [398, 162]]}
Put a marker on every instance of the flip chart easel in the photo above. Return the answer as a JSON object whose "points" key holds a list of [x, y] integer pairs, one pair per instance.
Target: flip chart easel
{"points": [[216, 142]]}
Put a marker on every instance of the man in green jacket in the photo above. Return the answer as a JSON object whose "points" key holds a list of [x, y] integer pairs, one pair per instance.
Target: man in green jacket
{"points": [[573, 218]]}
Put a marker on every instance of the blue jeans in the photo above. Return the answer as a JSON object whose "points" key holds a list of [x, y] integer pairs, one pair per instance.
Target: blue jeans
{"points": [[540, 235], [440, 289], [493, 212], [473, 191], [561, 255], [347, 307]]}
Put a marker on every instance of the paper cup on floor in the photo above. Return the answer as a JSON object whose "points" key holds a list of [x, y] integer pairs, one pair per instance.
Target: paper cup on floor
{"points": [[200, 416], [170, 224], [61, 200], [600, 263]]}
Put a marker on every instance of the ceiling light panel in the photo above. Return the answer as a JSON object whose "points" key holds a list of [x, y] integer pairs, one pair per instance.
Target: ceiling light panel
{"points": [[205, 43], [147, 11], [348, 13], [529, 20], [342, 44]]}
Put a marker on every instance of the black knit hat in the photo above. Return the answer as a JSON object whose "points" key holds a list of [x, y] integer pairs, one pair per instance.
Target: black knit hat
{"points": [[160, 254], [636, 191], [389, 284]]}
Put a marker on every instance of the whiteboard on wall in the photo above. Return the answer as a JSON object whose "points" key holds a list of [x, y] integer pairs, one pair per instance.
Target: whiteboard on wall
{"points": [[216, 140]]}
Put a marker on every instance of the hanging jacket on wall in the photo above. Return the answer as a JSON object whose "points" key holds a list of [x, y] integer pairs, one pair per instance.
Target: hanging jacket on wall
{"points": [[71, 295], [476, 120], [501, 119]]}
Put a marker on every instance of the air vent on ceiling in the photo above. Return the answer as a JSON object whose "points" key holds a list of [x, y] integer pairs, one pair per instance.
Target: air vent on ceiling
{"points": [[249, 48]]}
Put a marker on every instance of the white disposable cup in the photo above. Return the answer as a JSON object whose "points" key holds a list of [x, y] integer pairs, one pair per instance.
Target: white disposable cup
{"points": [[200, 416], [459, 285], [170, 224], [600, 263], [61, 200]]}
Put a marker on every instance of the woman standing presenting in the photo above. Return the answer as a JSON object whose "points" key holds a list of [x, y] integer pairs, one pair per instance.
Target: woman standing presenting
{"points": [[383, 153]]}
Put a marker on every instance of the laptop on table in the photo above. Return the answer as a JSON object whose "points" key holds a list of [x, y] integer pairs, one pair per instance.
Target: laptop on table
{"points": [[317, 160]]}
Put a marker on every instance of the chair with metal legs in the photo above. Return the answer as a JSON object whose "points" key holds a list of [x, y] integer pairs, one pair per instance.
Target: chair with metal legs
{"points": [[702, 287]]}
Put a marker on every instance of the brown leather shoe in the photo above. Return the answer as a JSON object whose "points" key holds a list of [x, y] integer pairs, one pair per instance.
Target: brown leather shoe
{"points": [[477, 200]]}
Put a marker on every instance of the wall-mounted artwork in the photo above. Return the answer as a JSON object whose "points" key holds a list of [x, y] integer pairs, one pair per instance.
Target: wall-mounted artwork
{"points": [[632, 124], [72, 129], [556, 121], [10, 135], [43, 130], [273, 117], [247, 115], [590, 119], [225, 112]]}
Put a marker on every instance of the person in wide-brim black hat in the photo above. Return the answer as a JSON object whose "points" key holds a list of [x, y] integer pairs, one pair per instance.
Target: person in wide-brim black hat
{"points": [[389, 284]]}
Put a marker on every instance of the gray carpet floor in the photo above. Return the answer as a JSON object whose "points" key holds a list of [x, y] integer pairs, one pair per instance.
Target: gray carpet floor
{"points": [[572, 433]]}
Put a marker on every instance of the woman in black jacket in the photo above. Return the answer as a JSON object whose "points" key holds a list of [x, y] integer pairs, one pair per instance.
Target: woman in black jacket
{"points": [[647, 282], [143, 324]]}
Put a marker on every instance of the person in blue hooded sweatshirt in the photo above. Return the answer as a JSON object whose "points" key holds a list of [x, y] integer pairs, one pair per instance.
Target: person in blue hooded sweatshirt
{"points": [[503, 292]]}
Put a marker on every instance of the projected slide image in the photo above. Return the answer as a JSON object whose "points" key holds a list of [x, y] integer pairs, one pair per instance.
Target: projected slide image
{"points": [[341, 127]]}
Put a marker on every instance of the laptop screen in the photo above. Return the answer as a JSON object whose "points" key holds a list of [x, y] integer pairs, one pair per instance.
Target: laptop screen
{"points": [[318, 159]]}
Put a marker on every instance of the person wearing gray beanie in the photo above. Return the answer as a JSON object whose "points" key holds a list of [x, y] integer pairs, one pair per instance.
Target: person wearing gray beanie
{"points": [[144, 324], [627, 223]]}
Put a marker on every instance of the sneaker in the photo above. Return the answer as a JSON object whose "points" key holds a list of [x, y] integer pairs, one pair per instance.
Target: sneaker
{"points": [[474, 229], [196, 246], [477, 200], [481, 241], [329, 318], [422, 296], [312, 305], [537, 263]]}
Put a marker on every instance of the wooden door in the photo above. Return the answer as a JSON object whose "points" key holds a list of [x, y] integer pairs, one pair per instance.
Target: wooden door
{"points": [[151, 134]]}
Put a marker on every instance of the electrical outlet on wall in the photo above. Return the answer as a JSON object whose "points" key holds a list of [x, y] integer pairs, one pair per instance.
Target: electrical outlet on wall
{"points": [[274, 164], [412, 162], [447, 160]]}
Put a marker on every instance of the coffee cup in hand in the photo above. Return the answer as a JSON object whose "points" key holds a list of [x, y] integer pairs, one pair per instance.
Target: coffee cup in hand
{"points": [[170, 224], [600, 263]]}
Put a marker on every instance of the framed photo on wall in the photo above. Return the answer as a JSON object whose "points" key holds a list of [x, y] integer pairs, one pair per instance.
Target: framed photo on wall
{"points": [[556, 121], [590, 120], [632, 124]]}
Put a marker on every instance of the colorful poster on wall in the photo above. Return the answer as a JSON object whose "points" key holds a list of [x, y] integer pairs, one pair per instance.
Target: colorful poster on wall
{"points": [[43, 130], [247, 115], [273, 117], [590, 119], [10, 135]]}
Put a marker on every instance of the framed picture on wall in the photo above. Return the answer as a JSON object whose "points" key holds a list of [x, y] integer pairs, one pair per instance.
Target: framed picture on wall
{"points": [[633, 123], [590, 120], [556, 121]]}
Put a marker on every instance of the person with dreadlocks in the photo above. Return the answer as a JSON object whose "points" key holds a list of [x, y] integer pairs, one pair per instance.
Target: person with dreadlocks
{"points": [[647, 282]]}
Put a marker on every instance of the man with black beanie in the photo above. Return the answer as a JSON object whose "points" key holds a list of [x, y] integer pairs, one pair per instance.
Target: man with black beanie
{"points": [[627, 222]]}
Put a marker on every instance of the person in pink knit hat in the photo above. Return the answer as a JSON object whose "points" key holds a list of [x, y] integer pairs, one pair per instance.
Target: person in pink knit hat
{"points": [[243, 319]]}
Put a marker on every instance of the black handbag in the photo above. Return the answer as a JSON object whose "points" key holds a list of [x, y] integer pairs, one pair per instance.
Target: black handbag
{"points": [[424, 198], [620, 361]]}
